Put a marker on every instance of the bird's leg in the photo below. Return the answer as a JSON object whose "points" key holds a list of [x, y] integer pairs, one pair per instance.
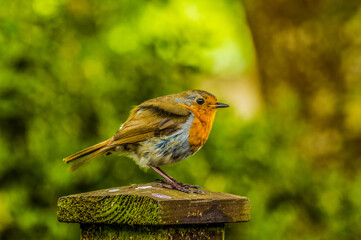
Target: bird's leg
{"points": [[165, 175], [182, 184], [168, 178], [174, 183]]}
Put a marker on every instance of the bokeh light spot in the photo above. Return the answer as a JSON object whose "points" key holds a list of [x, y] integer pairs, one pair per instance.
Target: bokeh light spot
{"points": [[123, 39], [45, 7]]}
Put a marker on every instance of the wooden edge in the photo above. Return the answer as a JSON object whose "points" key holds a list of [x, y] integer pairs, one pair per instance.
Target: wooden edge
{"points": [[150, 204]]}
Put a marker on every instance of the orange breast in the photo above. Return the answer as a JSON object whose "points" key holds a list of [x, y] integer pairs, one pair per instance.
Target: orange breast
{"points": [[200, 128]]}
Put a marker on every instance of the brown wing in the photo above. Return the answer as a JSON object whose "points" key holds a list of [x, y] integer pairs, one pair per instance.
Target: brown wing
{"points": [[149, 120], [166, 105]]}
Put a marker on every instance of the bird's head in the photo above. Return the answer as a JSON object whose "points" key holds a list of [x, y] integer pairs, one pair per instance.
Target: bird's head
{"points": [[200, 102]]}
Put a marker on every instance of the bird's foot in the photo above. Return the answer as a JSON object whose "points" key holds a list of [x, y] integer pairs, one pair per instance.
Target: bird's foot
{"points": [[160, 180], [189, 186], [179, 183], [180, 187]]}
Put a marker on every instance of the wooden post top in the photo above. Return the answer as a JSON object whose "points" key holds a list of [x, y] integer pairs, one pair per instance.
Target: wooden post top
{"points": [[150, 204]]}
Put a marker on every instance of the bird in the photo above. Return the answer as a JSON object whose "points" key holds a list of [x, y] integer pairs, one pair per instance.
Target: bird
{"points": [[160, 131]]}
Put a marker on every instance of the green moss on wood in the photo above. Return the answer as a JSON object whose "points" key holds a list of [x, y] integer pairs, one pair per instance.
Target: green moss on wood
{"points": [[112, 209], [150, 204], [115, 232]]}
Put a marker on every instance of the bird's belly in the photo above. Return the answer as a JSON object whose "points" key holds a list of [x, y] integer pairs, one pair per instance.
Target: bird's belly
{"points": [[164, 150]]}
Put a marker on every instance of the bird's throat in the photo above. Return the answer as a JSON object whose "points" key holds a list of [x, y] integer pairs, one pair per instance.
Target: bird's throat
{"points": [[199, 130]]}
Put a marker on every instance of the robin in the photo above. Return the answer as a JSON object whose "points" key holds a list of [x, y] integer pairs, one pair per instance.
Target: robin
{"points": [[160, 131]]}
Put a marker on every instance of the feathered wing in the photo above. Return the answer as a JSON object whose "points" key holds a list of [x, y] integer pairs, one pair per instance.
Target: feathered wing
{"points": [[148, 120]]}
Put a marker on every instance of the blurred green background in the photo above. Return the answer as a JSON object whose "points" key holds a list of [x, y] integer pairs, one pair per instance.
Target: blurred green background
{"points": [[70, 72]]}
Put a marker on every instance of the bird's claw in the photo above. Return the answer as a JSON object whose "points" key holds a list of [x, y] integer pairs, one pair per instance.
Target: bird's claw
{"points": [[180, 187], [159, 180], [190, 186]]}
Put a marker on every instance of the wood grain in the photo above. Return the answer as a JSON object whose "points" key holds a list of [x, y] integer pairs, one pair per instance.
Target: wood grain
{"points": [[150, 204], [166, 232]]}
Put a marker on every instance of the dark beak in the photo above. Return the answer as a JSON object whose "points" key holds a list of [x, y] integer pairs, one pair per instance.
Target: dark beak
{"points": [[220, 105]]}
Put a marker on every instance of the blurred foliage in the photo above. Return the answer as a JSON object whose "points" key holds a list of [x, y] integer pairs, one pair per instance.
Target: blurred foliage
{"points": [[70, 72]]}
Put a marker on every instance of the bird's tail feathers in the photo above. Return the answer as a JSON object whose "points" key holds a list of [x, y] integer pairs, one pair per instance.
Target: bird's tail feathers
{"points": [[84, 156]]}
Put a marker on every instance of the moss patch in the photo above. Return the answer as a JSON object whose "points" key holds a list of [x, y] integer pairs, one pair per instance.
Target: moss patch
{"points": [[203, 231], [112, 209], [150, 204]]}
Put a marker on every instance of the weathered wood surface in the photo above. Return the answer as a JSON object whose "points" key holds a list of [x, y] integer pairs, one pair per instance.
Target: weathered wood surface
{"points": [[174, 232], [150, 204]]}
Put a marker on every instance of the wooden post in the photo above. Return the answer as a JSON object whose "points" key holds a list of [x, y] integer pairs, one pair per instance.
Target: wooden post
{"points": [[148, 211]]}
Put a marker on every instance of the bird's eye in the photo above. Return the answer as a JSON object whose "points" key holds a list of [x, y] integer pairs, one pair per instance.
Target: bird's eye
{"points": [[200, 101]]}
